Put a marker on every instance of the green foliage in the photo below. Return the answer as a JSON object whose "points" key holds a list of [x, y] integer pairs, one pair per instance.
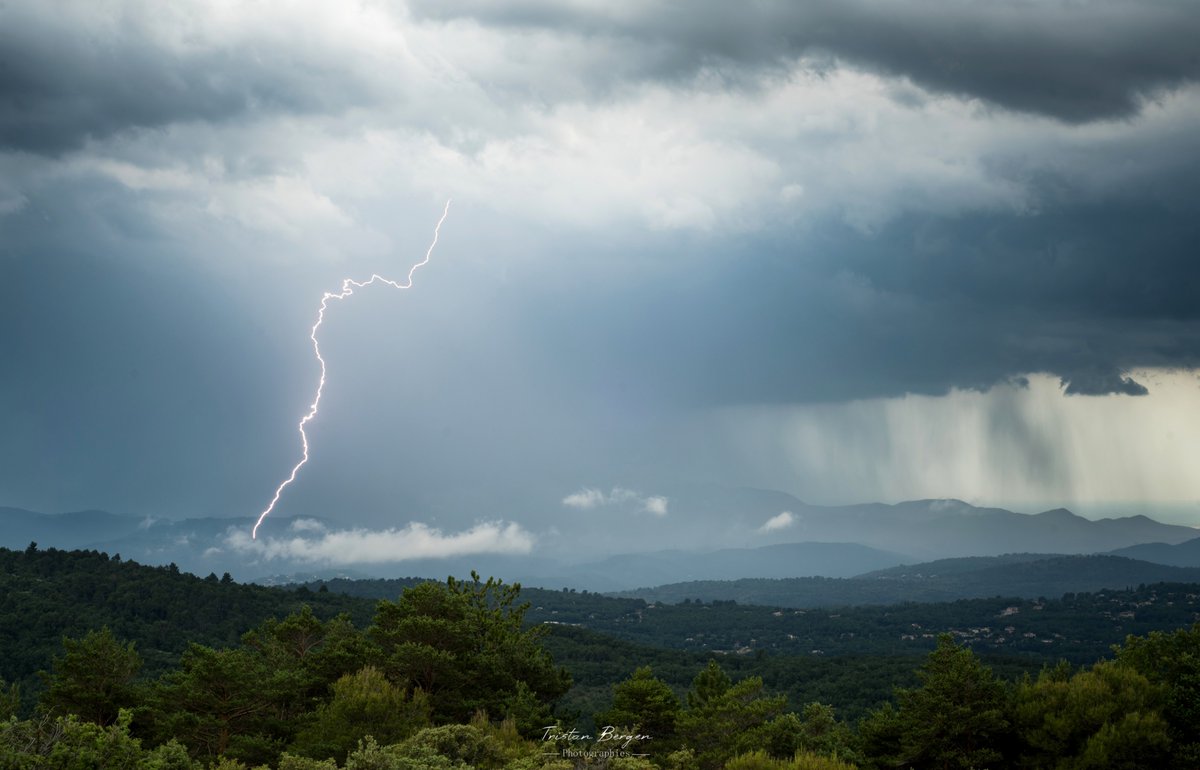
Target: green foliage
{"points": [[93, 679], [293, 762], [761, 760], [808, 761], [822, 733], [1135, 742], [363, 703], [647, 705], [171, 755], [468, 744], [66, 743], [1103, 717], [781, 736], [683, 759], [371, 756], [463, 644], [955, 719], [1078, 627], [316, 652], [10, 700], [540, 763], [854, 684], [880, 734], [1172, 661], [724, 719], [46, 594], [815, 731], [866, 650], [314, 682], [223, 702], [755, 760], [709, 685]]}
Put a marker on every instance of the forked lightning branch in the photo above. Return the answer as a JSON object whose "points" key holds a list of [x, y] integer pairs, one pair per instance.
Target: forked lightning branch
{"points": [[348, 287]]}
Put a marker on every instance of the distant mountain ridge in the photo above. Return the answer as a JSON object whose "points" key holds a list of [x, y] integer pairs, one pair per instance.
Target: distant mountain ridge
{"points": [[1027, 576], [1185, 554], [769, 561], [825, 541], [932, 529], [77, 529]]}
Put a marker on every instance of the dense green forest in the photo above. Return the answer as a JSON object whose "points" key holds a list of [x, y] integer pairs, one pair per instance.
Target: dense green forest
{"points": [[1079, 627], [111, 664]]}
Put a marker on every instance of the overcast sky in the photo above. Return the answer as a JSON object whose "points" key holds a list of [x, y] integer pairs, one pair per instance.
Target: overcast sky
{"points": [[849, 250]]}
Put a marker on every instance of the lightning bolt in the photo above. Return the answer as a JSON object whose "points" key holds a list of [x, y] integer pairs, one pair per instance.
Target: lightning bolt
{"points": [[348, 287]]}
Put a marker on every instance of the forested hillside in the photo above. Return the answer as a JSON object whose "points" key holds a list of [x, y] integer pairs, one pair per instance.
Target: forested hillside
{"points": [[1079, 627], [155, 672], [48, 594]]}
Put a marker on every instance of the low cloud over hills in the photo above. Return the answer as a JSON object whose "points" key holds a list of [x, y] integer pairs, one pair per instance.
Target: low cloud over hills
{"points": [[838, 541]]}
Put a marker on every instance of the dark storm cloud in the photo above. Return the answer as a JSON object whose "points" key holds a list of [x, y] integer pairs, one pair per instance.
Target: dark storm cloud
{"points": [[1072, 61], [1118, 260], [62, 83], [155, 309], [1098, 383], [1085, 292], [925, 305]]}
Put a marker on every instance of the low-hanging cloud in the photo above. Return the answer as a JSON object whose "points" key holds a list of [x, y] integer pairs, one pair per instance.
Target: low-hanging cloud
{"points": [[364, 546], [590, 497], [655, 504], [779, 521]]}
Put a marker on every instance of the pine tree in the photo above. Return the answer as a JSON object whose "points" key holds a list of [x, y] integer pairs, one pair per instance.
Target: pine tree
{"points": [[463, 644], [956, 719], [93, 679], [646, 704]]}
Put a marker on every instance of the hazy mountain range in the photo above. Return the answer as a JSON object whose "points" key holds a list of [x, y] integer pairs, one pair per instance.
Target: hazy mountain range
{"points": [[828, 541], [1027, 576]]}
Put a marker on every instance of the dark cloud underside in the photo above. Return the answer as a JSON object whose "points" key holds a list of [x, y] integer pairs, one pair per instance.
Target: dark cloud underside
{"points": [[662, 210], [925, 305], [1071, 61], [62, 84]]}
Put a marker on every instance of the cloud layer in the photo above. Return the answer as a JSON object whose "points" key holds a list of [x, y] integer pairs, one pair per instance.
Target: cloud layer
{"points": [[766, 211], [778, 522], [1076, 62], [588, 498], [388, 546]]}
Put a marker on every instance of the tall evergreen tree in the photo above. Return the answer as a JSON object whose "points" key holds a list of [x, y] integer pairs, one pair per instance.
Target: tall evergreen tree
{"points": [[724, 719], [463, 644], [93, 679], [1105, 717], [363, 703], [647, 704], [1172, 661], [224, 702], [956, 720]]}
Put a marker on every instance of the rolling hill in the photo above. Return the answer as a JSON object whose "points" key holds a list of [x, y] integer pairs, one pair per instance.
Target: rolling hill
{"points": [[1020, 575]]}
